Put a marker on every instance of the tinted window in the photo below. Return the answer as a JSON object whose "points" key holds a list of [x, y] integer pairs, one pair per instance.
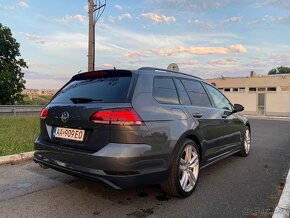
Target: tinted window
{"points": [[196, 93], [165, 91], [184, 99], [109, 89], [219, 99]]}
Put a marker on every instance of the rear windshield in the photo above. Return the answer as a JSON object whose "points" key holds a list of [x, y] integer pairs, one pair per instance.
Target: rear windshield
{"points": [[106, 89]]}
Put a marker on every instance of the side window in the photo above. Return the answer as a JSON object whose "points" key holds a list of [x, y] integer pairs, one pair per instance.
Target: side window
{"points": [[165, 91], [196, 93], [183, 96], [219, 99]]}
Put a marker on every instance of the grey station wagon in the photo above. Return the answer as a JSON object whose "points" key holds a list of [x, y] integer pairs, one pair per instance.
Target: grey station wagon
{"points": [[131, 128]]}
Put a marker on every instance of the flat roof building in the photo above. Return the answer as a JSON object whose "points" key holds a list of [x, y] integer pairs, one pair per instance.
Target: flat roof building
{"points": [[32, 92], [260, 95]]}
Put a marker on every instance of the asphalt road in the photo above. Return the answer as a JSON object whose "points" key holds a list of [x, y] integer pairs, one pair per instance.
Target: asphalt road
{"points": [[234, 187]]}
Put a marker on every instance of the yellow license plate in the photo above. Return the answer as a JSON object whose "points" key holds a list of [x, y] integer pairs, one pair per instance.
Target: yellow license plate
{"points": [[67, 133]]}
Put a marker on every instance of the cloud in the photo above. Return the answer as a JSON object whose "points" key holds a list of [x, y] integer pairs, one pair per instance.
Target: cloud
{"points": [[118, 7], [112, 19], [203, 24], [223, 62], [196, 5], [118, 47], [23, 4], [167, 52], [66, 42], [125, 15], [231, 20], [283, 20], [190, 62], [135, 54], [80, 18], [209, 25], [36, 79], [107, 65], [269, 19], [201, 50], [102, 25], [68, 18], [6, 7], [34, 38], [155, 18], [86, 8], [274, 3], [238, 48]]}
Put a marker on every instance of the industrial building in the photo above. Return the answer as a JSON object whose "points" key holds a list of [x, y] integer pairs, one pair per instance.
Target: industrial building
{"points": [[260, 95], [40, 92]]}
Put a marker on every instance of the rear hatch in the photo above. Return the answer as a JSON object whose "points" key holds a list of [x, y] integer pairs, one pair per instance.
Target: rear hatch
{"points": [[66, 121]]}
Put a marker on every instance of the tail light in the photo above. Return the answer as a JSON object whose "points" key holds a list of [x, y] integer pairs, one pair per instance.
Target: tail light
{"points": [[120, 117], [43, 113]]}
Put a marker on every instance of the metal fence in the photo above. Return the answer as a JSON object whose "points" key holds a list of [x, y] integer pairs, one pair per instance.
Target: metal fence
{"points": [[20, 109]]}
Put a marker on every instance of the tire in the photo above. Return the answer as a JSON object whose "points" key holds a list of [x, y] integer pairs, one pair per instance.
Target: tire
{"points": [[184, 171], [246, 146]]}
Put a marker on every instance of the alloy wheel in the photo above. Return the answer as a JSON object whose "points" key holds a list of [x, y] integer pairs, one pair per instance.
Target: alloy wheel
{"points": [[247, 141], [188, 168]]}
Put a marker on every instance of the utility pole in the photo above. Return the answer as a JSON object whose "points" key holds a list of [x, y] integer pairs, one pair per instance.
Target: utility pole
{"points": [[91, 54], [93, 18]]}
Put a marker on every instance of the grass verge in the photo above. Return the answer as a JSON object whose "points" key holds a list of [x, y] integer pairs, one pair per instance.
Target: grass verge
{"points": [[17, 134]]}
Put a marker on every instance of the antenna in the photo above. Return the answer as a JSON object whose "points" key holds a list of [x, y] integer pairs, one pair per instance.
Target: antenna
{"points": [[96, 9]]}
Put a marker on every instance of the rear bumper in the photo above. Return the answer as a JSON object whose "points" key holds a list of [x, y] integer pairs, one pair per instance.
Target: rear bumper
{"points": [[118, 165]]}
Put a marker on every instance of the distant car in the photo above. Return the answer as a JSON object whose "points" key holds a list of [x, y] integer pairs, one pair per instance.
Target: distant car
{"points": [[131, 128]]}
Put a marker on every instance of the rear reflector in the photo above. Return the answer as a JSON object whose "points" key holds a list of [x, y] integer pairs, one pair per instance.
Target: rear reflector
{"points": [[120, 117], [43, 113], [121, 173]]}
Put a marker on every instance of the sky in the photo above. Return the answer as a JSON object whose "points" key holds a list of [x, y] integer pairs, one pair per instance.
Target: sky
{"points": [[206, 38]]}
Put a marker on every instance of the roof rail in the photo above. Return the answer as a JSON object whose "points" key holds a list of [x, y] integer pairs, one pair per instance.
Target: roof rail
{"points": [[164, 70]]}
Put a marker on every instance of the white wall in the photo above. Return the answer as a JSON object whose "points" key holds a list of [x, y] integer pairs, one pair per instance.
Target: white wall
{"points": [[278, 103], [248, 100]]}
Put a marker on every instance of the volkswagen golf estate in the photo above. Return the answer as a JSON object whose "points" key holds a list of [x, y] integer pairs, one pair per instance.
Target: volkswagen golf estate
{"points": [[148, 126]]}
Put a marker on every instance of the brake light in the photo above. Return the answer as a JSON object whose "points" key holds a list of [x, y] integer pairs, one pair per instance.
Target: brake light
{"points": [[120, 117], [95, 74], [43, 113]]}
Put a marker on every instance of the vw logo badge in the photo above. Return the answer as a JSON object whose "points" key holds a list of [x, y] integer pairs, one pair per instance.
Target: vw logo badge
{"points": [[64, 117]]}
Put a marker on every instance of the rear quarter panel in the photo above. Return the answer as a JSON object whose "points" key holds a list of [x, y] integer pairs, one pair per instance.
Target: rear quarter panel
{"points": [[165, 122]]}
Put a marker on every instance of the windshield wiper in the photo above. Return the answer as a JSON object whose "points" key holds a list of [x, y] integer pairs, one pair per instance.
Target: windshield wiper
{"points": [[84, 100]]}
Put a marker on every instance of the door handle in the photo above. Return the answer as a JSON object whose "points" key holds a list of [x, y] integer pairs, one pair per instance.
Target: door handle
{"points": [[224, 116], [197, 115]]}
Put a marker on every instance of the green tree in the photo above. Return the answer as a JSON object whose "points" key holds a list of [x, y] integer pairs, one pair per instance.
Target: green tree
{"points": [[279, 70], [11, 77]]}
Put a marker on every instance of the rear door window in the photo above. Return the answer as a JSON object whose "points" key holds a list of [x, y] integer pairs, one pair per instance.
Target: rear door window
{"points": [[196, 93], [183, 96], [164, 91], [105, 88]]}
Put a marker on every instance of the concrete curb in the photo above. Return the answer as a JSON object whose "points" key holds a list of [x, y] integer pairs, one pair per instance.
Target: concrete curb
{"points": [[267, 117], [15, 158], [283, 208]]}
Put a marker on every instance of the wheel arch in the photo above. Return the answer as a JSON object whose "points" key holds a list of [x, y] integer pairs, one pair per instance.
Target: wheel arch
{"points": [[248, 125], [192, 135]]}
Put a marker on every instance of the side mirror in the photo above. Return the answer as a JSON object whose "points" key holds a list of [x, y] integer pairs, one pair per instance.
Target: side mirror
{"points": [[238, 108]]}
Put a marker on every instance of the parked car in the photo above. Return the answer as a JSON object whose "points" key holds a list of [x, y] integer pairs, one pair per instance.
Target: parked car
{"points": [[147, 126]]}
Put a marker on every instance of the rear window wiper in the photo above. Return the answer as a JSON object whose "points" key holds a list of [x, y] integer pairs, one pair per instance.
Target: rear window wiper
{"points": [[84, 100]]}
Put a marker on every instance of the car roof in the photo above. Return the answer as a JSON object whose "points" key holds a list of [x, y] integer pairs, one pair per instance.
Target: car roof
{"points": [[164, 72], [152, 71]]}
